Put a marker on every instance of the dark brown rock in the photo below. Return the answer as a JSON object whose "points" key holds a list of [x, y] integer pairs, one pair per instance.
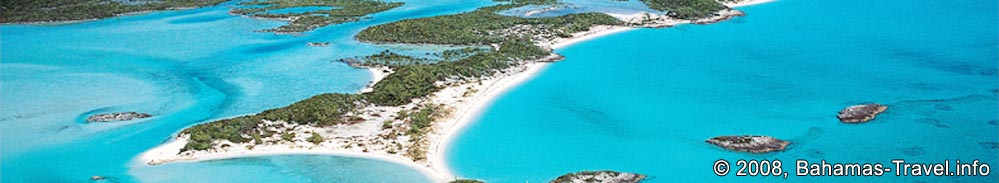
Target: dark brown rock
{"points": [[749, 143], [599, 176], [860, 113]]}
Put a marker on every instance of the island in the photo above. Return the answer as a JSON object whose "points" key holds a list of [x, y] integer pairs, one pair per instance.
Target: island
{"points": [[599, 176], [416, 105], [116, 116], [860, 113], [337, 12], [749, 143], [52, 11]]}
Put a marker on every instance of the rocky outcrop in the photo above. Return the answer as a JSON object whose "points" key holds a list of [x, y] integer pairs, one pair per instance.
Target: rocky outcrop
{"points": [[599, 176], [860, 113], [720, 16], [653, 20], [352, 62], [554, 57], [749, 143], [118, 116]]}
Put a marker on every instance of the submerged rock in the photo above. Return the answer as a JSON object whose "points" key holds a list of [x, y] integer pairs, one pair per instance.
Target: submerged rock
{"points": [[320, 44], [118, 116], [96, 177], [860, 113], [599, 176], [748, 143]]}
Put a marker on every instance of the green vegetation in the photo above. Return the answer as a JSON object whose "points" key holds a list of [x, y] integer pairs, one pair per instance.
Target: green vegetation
{"points": [[421, 119], [391, 59], [316, 138], [288, 136], [343, 11], [472, 28], [686, 9], [414, 81], [413, 77], [319, 110], [26, 11]]}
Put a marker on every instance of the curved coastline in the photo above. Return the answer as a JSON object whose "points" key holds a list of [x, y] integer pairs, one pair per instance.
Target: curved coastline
{"points": [[439, 144], [169, 148], [467, 109]]}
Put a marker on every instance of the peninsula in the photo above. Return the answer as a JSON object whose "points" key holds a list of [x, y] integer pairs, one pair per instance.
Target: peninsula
{"points": [[54, 11], [416, 105]]}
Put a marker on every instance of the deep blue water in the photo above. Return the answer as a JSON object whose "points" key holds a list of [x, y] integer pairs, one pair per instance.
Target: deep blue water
{"points": [[185, 68], [644, 101]]}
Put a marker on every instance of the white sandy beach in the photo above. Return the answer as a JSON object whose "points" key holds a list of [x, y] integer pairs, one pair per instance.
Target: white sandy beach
{"points": [[466, 108], [470, 111]]}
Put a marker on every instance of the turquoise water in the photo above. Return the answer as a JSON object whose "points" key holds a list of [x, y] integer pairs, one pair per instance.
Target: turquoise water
{"points": [[185, 68], [645, 100], [641, 101], [300, 168]]}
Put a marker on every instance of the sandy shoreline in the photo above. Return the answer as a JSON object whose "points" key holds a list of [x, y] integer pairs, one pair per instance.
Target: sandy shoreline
{"points": [[466, 110], [747, 3], [173, 147], [470, 112]]}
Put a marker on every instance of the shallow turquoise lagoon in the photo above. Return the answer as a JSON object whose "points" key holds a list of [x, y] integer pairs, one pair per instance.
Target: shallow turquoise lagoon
{"points": [[185, 68], [291, 168], [644, 101]]}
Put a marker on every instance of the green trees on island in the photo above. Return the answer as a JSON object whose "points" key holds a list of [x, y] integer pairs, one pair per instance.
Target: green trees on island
{"points": [[470, 28], [341, 11], [319, 110], [419, 77], [413, 77], [21, 11], [686, 9]]}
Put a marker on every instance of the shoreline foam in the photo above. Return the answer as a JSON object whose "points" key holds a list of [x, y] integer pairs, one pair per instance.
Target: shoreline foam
{"points": [[444, 132]]}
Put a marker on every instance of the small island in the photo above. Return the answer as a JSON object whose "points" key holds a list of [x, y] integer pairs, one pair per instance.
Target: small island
{"points": [[298, 22], [50, 11], [117, 116], [860, 113], [749, 143], [599, 176]]}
